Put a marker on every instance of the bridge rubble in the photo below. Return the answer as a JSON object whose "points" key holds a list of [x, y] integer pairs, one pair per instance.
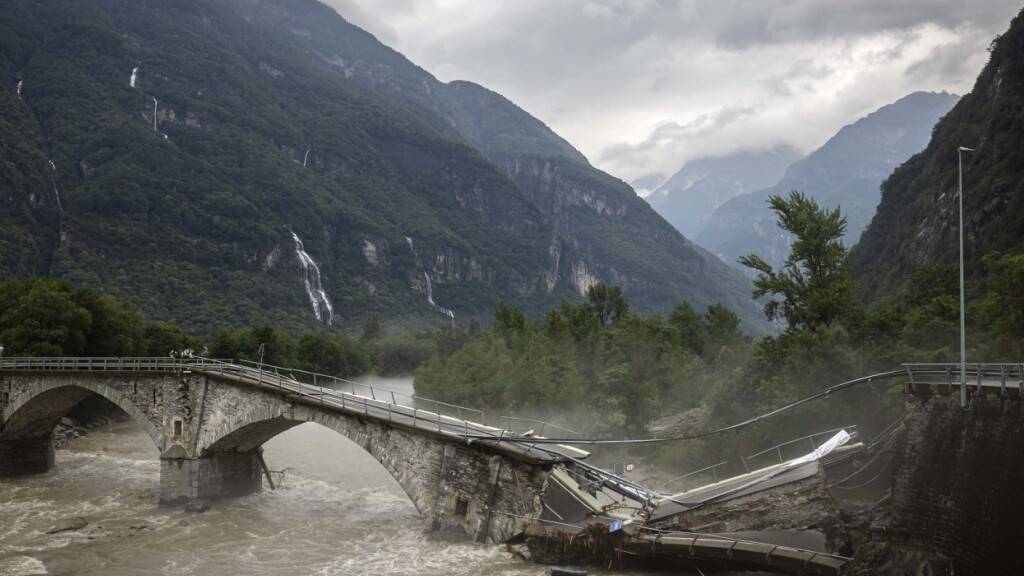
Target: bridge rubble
{"points": [[781, 517]]}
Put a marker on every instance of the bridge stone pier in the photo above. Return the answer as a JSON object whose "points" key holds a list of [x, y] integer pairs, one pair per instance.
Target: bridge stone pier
{"points": [[209, 428]]}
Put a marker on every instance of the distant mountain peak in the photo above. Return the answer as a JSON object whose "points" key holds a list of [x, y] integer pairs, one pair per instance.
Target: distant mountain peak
{"points": [[691, 195], [846, 172]]}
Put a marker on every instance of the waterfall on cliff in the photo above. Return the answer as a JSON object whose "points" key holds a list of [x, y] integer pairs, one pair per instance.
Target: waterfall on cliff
{"points": [[53, 180], [305, 159], [135, 75], [430, 299], [20, 84], [322, 308], [430, 287]]}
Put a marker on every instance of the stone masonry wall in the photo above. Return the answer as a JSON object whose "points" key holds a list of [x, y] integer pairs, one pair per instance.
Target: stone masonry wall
{"points": [[958, 491]]}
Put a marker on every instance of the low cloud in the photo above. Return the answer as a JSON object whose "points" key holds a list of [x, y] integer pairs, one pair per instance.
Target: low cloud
{"points": [[640, 86]]}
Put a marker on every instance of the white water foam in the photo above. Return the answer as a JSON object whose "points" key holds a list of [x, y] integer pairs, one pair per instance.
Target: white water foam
{"points": [[135, 75], [22, 566]]}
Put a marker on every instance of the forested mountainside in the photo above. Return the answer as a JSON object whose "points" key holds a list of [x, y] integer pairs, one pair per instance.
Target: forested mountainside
{"points": [[845, 172], [917, 220], [689, 198], [225, 163]]}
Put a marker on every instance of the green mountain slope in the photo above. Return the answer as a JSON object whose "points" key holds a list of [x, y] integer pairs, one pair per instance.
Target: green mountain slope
{"points": [[251, 120], [917, 220]]}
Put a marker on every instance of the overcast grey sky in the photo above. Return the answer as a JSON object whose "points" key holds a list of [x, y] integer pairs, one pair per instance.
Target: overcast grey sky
{"points": [[640, 86]]}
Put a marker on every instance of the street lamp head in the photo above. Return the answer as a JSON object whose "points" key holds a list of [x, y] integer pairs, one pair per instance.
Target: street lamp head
{"points": [[966, 149]]}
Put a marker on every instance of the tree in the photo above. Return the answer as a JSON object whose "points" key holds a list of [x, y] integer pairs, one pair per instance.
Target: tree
{"points": [[1004, 302], [690, 328], [723, 326], [115, 330], [570, 321], [278, 347], [40, 318], [371, 328], [161, 339], [606, 303], [317, 353], [508, 320], [815, 282]]}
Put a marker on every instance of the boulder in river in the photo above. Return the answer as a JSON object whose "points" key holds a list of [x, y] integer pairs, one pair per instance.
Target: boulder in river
{"points": [[68, 524], [197, 506]]}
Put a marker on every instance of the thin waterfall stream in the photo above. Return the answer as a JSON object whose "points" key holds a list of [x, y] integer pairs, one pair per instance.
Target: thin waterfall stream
{"points": [[322, 308], [447, 312]]}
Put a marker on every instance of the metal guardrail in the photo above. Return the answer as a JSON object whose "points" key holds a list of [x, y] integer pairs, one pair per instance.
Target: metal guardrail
{"points": [[979, 376], [374, 392], [509, 423], [381, 403], [712, 468]]}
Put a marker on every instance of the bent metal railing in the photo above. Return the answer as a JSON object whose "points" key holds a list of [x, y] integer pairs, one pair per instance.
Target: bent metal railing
{"points": [[777, 449], [678, 483], [382, 403]]}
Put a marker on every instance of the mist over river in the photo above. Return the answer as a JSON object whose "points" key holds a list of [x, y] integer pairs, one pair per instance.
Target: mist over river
{"points": [[337, 512]]}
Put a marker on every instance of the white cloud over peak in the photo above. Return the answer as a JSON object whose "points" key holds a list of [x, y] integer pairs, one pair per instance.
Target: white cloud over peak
{"points": [[641, 86]]}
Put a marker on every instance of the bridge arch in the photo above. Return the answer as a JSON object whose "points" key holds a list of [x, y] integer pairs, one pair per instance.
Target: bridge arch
{"points": [[407, 458], [208, 424], [34, 413]]}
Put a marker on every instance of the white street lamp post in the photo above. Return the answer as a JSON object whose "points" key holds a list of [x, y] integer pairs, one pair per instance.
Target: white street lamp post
{"points": [[963, 335]]}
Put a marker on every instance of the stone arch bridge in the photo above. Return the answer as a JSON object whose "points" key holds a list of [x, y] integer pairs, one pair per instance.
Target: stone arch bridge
{"points": [[209, 419]]}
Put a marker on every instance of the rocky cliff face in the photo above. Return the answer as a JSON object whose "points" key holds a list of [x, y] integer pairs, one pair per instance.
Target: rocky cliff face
{"points": [[917, 219], [193, 141], [845, 172], [602, 231]]}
